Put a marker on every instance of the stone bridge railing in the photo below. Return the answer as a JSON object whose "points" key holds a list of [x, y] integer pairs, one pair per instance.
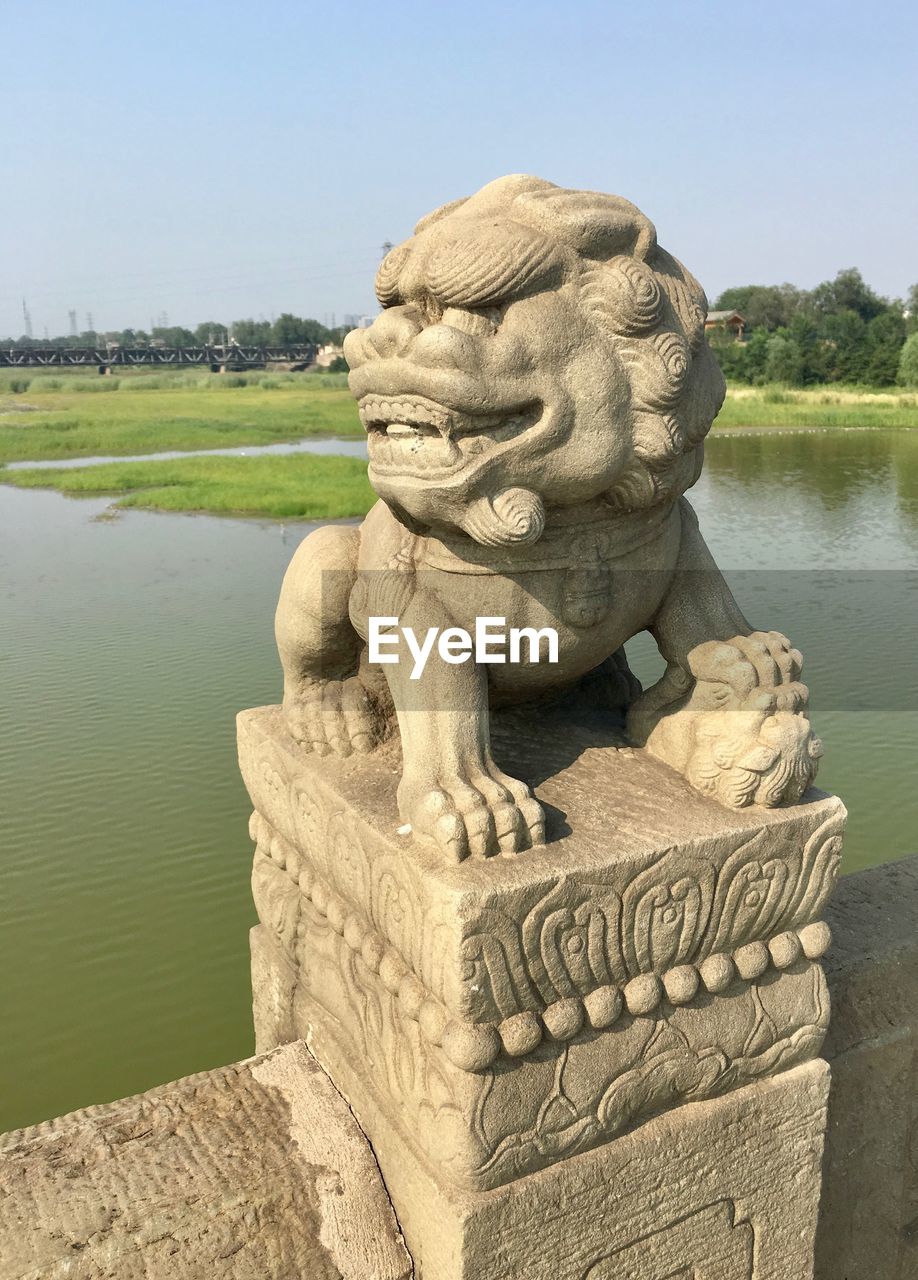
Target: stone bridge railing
{"points": [[259, 1169]]}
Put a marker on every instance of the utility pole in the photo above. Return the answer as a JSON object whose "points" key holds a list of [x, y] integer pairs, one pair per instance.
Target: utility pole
{"points": [[26, 319]]}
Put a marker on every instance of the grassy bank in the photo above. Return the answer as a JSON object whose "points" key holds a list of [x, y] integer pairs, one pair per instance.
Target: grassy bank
{"points": [[51, 417], [818, 407], [299, 486], [45, 416]]}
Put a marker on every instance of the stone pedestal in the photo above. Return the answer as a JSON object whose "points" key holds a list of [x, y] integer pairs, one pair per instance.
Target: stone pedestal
{"points": [[496, 1024]]}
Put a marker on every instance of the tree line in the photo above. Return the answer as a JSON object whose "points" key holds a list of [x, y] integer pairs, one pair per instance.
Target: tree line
{"points": [[841, 331], [287, 331]]}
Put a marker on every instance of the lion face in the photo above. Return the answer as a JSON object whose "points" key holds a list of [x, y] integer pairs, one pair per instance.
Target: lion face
{"points": [[510, 370]]}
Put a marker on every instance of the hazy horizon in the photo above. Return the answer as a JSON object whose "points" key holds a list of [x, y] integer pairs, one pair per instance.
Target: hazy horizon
{"points": [[197, 162]]}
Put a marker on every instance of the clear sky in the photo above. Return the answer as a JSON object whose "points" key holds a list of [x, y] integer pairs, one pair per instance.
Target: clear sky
{"points": [[222, 160]]}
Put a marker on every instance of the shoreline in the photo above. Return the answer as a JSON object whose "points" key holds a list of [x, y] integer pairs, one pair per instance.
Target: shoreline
{"points": [[353, 447], [304, 481]]}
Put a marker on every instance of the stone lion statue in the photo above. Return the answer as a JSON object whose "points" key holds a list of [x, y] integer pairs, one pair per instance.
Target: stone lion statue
{"points": [[536, 393]]}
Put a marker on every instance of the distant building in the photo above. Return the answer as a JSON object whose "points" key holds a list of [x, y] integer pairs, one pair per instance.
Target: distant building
{"points": [[358, 322], [731, 320], [327, 354]]}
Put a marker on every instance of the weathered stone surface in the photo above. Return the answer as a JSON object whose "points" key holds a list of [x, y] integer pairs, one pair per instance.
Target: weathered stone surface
{"points": [[511, 1013], [536, 393], [726, 1189], [257, 1171], [869, 1215]]}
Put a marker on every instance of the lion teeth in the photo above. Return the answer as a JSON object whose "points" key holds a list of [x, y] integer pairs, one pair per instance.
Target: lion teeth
{"points": [[412, 435]]}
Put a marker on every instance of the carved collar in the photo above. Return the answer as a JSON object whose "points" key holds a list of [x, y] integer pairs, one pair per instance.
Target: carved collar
{"points": [[574, 538]]}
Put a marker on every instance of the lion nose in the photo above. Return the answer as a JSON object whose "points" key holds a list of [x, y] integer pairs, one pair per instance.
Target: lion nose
{"points": [[390, 334]]}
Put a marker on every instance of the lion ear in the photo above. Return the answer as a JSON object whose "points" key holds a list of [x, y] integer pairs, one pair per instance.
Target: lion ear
{"points": [[595, 225]]}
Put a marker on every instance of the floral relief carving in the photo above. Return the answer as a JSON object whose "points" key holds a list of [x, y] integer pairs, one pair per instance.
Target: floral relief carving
{"points": [[580, 936]]}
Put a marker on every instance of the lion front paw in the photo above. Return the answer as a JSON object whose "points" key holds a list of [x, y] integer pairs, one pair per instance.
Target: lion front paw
{"points": [[761, 670], [479, 813], [734, 724], [339, 716]]}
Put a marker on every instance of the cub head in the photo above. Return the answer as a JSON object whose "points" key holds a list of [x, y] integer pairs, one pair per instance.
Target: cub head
{"points": [[536, 348]]}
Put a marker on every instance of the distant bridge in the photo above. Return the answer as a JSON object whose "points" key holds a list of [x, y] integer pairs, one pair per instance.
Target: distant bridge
{"points": [[217, 358]]}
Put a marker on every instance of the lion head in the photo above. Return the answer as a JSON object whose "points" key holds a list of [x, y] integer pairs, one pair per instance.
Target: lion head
{"points": [[536, 349]]}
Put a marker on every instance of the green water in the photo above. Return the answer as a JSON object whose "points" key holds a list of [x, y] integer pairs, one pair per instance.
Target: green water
{"points": [[127, 647]]}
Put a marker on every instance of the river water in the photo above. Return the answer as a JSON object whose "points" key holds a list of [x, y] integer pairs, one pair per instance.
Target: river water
{"points": [[127, 646]]}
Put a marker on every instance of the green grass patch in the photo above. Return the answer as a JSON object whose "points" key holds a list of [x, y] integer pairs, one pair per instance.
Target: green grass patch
{"points": [[776, 406], [80, 414], [296, 486], [60, 417]]}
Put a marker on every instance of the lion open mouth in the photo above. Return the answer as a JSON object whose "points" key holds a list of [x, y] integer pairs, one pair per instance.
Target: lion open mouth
{"points": [[416, 436]]}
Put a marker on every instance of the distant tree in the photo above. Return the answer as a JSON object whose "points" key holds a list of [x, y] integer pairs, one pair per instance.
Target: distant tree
{"points": [[783, 359], [128, 337], [908, 362], [292, 330], [771, 306], [755, 353], [806, 333], [251, 332], [885, 338], [210, 332], [339, 365], [731, 355], [318, 333], [173, 336], [848, 292], [848, 355], [288, 330]]}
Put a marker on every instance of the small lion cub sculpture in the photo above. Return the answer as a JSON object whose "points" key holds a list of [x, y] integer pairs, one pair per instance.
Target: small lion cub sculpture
{"points": [[535, 394]]}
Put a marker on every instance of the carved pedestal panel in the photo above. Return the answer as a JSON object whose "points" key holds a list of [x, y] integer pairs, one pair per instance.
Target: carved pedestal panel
{"points": [[498, 1017]]}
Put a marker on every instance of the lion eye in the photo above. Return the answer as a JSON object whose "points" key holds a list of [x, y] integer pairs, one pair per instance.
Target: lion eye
{"points": [[480, 323]]}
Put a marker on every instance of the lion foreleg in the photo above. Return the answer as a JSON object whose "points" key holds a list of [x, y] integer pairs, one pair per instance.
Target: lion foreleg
{"points": [[730, 712], [451, 791], [327, 706]]}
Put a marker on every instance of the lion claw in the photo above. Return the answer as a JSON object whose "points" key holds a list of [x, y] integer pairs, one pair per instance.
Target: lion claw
{"points": [[334, 717], [475, 816]]}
